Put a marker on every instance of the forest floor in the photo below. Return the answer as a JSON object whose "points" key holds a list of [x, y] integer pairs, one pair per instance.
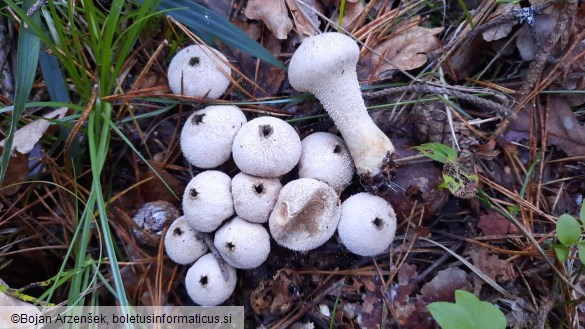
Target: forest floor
{"points": [[503, 95]]}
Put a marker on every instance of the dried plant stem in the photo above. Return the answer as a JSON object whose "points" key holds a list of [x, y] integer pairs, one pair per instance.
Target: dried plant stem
{"points": [[544, 52], [501, 110], [222, 264]]}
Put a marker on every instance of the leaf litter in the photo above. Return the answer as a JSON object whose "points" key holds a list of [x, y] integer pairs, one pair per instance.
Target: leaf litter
{"points": [[393, 290]]}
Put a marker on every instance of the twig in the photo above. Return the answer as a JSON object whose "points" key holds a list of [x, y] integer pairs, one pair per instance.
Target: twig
{"points": [[222, 264], [310, 304], [35, 7], [543, 54], [520, 16], [501, 110]]}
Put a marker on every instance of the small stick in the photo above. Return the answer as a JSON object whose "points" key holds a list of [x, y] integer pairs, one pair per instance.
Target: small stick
{"points": [[35, 7], [426, 89], [543, 54], [222, 264]]}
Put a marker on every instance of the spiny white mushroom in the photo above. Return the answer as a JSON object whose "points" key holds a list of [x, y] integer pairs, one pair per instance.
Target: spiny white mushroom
{"points": [[208, 135], [266, 147], [306, 214], [367, 225], [325, 157], [325, 65], [242, 244], [184, 244], [254, 197], [205, 282], [199, 71], [207, 200]]}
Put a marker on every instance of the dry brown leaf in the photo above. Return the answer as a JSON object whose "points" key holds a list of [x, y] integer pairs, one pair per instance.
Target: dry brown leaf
{"points": [[273, 14], [305, 18], [155, 189], [351, 15], [501, 30], [563, 128], [407, 49], [493, 223], [491, 265], [15, 174], [543, 26], [442, 287]]}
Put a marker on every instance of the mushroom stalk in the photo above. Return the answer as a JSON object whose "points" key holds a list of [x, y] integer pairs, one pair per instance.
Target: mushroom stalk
{"points": [[368, 145], [325, 65]]}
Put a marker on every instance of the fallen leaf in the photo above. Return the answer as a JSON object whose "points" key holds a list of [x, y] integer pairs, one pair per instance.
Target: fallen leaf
{"points": [[273, 14], [493, 224], [370, 312], [304, 16], [491, 265], [486, 151], [406, 273], [16, 173], [563, 128], [26, 137], [405, 49], [501, 30], [543, 26], [464, 61], [442, 287], [155, 188], [351, 15]]}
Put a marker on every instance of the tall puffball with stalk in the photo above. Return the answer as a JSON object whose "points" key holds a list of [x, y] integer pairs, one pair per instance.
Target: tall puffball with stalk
{"points": [[325, 65]]}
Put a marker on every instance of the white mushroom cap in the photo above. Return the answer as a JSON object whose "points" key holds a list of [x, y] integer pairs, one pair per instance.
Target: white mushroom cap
{"points": [[325, 65], [367, 225], [254, 197], [205, 282], [198, 71], [208, 135], [325, 157], [183, 243], [266, 147], [306, 214], [207, 200], [242, 244]]}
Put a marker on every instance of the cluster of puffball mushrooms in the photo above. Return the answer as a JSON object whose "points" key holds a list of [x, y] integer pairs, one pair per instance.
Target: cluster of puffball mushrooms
{"points": [[305, 212]]}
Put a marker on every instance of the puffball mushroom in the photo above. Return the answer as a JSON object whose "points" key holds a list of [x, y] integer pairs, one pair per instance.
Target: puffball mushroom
{"points": [[325, 157], [208, 135], [266, 147], [325, 65], [207, 200], [306, 214], [242, 244], [367, 225], [254, 197], [199, 71], [184, 244], [205, 282]]}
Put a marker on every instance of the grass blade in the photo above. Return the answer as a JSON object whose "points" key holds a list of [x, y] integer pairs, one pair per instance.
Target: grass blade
{"points": [[54, 78], [27, 57], [208, 24]]}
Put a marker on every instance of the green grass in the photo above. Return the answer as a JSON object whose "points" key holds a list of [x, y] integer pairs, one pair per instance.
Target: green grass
{"points": [[87, 47], [106, 38]]}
